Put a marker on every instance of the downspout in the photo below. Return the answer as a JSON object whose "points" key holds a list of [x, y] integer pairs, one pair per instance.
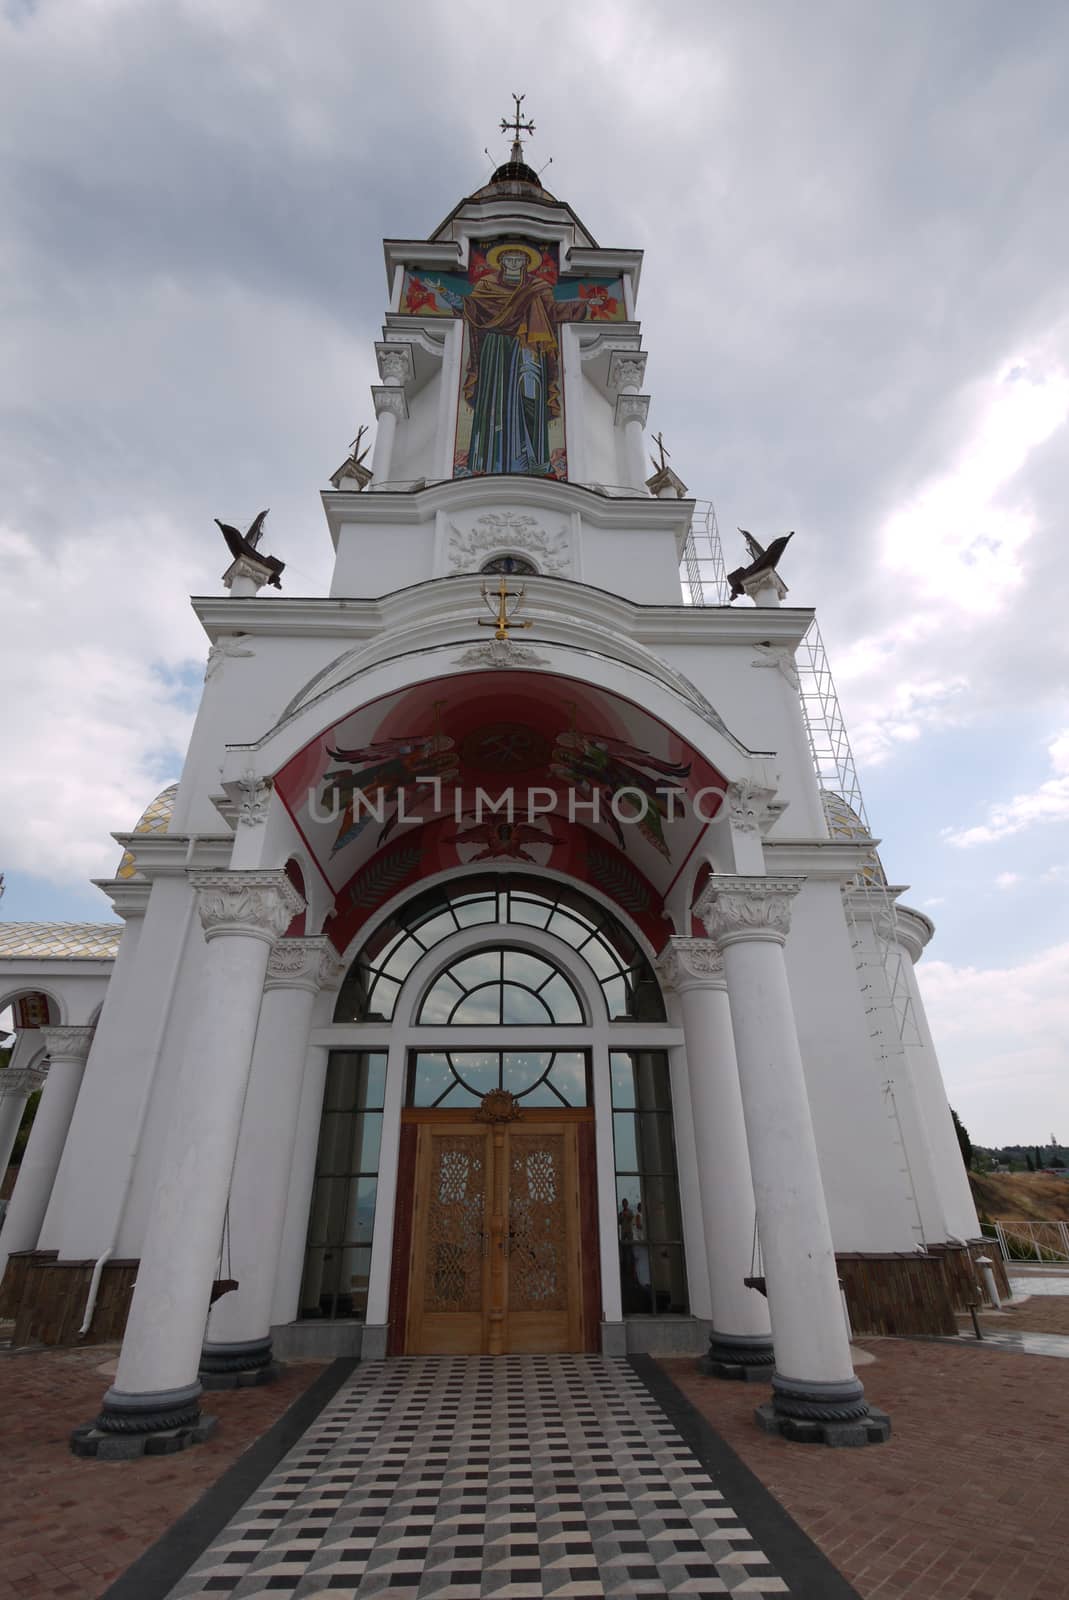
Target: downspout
{"points": [[101, 1261]]}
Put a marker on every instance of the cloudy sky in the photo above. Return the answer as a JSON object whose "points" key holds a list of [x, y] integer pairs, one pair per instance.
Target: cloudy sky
{"points": [[857, 311]]}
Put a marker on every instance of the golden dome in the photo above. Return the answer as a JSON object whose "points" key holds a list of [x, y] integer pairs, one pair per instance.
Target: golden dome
{"points": [[60, 941], [844, 823], [156, 818]]}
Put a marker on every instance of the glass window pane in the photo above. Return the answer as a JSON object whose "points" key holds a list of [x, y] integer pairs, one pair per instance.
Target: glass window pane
{"points": [[623, 1079], [559, 996], [435, 929], [374, 1080], [630, 1226], [479, 1008], [440, 999], [326, 1225], [543, 1094], [635, 1280], [431, 1077], [470, 912], [402, 958], [519, 1007], [530, 970], [459, 1096], [568, 1075], [663, 1221], [365, 1140], [625, 1135], [656, 1152], [534, 913], [382, 997], [598, 955], [320, 1281], [646, 997], [472, 971], [570, 929], [669, 1279], [340, 1091], [617, 997], [522, 1068], [652, 1080], [333, 1153], [361, 1214], [479, 1069], [354, 1268], [352, 997]]}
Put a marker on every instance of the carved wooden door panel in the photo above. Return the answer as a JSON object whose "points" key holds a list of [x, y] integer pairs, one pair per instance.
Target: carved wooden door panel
{"points": [[450, 1242], [544, 1293]]}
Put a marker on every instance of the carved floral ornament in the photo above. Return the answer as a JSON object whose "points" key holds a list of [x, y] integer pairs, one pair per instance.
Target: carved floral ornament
{"points": [[688, 963], [260, 903], [751, 808], [736, 909], [503, 533], [255, 798], [498, 1106], [19, 1082], [67, 1044], [303, 963]]}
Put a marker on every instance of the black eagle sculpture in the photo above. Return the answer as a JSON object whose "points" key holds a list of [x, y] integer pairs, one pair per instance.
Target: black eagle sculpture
{"points": [[245, 545], [761, 560]]}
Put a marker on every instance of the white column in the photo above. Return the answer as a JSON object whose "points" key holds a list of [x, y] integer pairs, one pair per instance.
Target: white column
{"points": [[631, 413], [740, 1344], [396, 368], [815, 1392], [16, 1086], [238, 1343], [68, 1050], [291, 1251], [156, 1386]]}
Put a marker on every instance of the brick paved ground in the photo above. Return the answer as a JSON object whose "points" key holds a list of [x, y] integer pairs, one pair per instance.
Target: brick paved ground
{"points": [[969, 1500], [68, 1527], [1038, 1314]]}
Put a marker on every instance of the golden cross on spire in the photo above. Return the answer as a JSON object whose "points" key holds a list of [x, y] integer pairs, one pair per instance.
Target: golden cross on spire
{"points": [[516, 127], [503, 618], [659, 466]]}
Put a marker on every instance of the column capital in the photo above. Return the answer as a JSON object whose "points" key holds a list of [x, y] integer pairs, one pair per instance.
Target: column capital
{"points": [[631, 408], [244, 567], [690, 963], [627, 370], [302, 963], [736, 909], [258, 903], [395, 361], [389, 398], [68, 1044], [16, 1081]]}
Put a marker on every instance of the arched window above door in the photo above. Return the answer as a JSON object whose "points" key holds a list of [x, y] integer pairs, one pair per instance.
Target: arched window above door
{"points": [[513, 566], [499, 987], [627, 980]]}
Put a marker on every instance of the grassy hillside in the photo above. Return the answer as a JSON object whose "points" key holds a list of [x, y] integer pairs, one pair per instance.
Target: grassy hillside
{"points": [[1020, 1197]]}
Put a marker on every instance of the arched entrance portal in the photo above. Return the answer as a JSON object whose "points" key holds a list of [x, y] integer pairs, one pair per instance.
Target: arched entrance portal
{"points": [[520, 1114]]}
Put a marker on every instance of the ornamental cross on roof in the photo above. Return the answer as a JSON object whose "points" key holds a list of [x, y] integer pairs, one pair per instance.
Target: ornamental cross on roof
{"points": [[666, 455], [516, 127]]}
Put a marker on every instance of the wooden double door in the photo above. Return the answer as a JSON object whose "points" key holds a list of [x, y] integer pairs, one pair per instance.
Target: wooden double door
{"points": [[496, 1254]]}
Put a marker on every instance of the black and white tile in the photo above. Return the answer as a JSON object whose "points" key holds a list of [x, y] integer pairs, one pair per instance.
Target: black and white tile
{"points": [[479, 1478]]}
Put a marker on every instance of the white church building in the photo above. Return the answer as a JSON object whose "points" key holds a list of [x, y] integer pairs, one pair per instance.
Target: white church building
{"points": [[501, 975]]}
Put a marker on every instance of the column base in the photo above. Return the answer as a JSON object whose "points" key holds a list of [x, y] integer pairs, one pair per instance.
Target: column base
{"points": [[808, 1411], [158, 1423], [242, 1365], [738, 1358]]}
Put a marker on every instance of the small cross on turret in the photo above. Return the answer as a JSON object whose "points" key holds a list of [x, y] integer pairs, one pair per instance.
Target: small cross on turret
{"points": [[516, 127]]}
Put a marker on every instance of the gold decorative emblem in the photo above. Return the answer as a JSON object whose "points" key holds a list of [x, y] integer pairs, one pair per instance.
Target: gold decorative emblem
{"points": [[498, 602], [498, 1106]]}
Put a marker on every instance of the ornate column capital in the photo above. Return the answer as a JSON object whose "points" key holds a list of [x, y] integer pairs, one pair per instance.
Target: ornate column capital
{"points": [[244, 567], [627, 370], [68, 1044], [631, 408], [395, 362], [737, 909], [690, 963], [255, 797], [751, 807], [21, 1081], [389, 399], [301, 963], [258, 903]]}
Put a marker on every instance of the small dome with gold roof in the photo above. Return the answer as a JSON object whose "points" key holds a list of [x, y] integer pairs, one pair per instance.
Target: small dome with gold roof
{"points": [[156, 818], [844, 823]]}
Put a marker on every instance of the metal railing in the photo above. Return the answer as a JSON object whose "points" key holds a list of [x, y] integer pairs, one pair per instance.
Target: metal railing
{"points": [[1046, 1242]]}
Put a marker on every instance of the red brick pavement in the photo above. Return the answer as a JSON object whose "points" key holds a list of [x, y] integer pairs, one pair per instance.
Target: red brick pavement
{"points": [[69, 1527], [969, 1499]]}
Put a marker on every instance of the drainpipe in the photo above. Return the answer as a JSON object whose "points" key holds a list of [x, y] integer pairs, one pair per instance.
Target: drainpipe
{"points": [[101, 1261]]}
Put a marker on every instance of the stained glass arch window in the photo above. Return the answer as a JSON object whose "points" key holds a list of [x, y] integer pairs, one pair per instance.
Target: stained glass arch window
{"points": [[512, 566], [621, 969]]}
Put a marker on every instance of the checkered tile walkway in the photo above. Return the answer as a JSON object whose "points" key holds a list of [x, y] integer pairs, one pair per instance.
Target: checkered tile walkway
{"points": [[473, 1478]]}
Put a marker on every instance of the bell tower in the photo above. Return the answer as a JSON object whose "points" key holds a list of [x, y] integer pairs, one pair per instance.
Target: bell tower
{"points": [[510, 411]]}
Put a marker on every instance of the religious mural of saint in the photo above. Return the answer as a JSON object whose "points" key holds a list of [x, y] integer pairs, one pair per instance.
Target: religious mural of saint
{"points": [[512, 303]]}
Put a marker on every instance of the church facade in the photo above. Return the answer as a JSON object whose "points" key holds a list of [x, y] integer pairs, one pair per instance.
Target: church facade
{"points": [[497, 976]]}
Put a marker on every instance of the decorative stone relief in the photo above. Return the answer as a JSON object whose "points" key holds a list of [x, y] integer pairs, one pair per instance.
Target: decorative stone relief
{"points": [[632, 408], [751, 808], [627, 369], [258, 902], [395, 362], [687, 962], [255, 798], [735, 908], [295, 963], [232, 645], [780, 659], [20, 1082], [69, 1043], [389, 399], [503, 532], [501, 653]]}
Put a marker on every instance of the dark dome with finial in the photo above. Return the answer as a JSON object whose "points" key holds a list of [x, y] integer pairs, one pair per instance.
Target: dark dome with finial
{"points": [[516, 172]]}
